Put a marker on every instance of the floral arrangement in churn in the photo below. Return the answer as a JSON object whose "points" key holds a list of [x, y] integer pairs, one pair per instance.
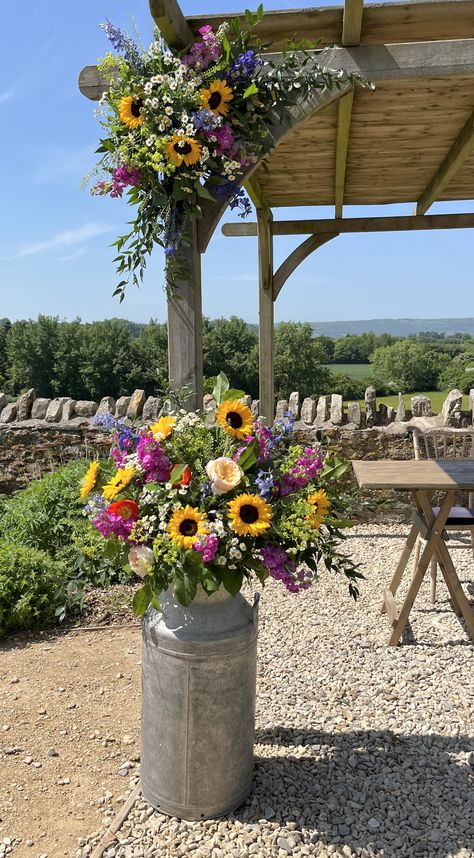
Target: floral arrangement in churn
{"points": [[213, 504], [184, 128]]}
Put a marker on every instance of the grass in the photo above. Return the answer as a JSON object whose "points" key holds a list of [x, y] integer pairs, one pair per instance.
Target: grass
{"points": [[359, 371]]}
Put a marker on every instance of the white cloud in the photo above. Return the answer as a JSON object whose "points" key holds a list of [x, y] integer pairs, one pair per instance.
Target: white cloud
{"points": [[74, 255], [6, 96], [64, 240]]}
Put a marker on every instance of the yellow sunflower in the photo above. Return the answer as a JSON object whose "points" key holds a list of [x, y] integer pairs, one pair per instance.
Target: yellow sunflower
{"points": [[249, 515], [163, 427], [181, 148], [217, 97], [235, 418], [130, 111], [187, 524], [319, 508], [118, 483], [89, 480]]}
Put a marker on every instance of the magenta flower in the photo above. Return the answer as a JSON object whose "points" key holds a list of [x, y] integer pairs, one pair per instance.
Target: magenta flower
{"points": [[209, 545], [109, 524], [303, 472], [152, 458], [282, 568]]}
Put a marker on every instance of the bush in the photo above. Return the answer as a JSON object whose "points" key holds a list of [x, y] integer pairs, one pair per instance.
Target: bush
{"points": [[31, 587], [349, 388]]}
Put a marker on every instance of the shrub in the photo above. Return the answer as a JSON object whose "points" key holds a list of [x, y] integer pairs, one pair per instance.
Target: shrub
{"points": [[31, 586]]}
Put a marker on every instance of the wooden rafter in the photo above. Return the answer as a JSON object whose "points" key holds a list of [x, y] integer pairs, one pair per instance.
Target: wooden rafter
{"points": [[344, 116], [355, 224], [291, 263], [266, 326], [171, 23], [255, 192], [352, 22], [460, 150]]}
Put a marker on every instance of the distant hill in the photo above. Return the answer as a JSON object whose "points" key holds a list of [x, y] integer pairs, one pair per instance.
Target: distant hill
{"points": [[396, 327]]}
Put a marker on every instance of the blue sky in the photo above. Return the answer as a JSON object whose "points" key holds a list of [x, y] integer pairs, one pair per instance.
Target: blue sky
{"points": [[54, 239]]}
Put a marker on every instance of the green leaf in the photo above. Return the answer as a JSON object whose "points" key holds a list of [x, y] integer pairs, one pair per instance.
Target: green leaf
{"points": [[221, 387], [141, 600], [203, 192], [185, 586], [209, 581], [249, 456], [155, 602], [260, 12], [334, 468], [176, 473], [233, 394], [252, 89], [232, 580]]}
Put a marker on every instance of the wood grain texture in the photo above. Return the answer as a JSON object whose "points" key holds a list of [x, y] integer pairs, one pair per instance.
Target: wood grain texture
{"points": [[344, 117], [352, 22], [454, 159], [429, 475], [171, 23], [330, 226], [266, 325]]}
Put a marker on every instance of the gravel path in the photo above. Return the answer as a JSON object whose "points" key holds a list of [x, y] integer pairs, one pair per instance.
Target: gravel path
{"points": [[362, 750]]}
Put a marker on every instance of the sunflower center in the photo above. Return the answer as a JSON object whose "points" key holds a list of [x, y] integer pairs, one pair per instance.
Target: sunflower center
{"points": [[215, 100], [136, 106], [248, 513], [234, 419], [183, 148], [188, 527]]}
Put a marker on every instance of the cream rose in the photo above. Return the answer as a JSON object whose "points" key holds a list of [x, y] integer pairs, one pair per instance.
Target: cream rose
{"points": [[141, 559], [224, 475]]}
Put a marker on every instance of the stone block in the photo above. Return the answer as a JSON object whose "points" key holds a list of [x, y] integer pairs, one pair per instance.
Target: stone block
{"points": [[337, 409], [121, 406], [281, 409], [322, 411], [24, 404], [8, 414], [294, 404], [421, 406], [85, 408], [370, 407], [452, 406], [382, 414], [106, 405], [354, 414], [308, 410], [54, 412], [390, 414], [471, 403], [135, 406], [39, 409], [209, 403], [152, 408], [400, 414], [3, 401], [69, 410]]}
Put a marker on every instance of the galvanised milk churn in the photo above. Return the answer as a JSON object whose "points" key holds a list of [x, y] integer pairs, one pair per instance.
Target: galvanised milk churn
{"points": [[198, 704]]}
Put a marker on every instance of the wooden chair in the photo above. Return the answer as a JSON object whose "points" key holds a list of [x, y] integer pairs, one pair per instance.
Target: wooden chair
{"points": [[447, 444]]}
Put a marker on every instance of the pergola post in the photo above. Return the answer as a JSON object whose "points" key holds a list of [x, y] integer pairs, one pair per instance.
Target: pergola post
{"points": [[266, 326], [185, 325]]}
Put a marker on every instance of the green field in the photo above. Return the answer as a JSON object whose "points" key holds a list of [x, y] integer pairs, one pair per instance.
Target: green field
{"points": [[360, 371]]}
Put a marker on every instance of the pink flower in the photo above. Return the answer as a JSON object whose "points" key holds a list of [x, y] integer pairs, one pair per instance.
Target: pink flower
{"points": [[209, 545]]}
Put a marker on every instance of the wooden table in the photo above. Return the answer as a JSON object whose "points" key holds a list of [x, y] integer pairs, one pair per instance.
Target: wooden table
{"points": [[423, 479]]}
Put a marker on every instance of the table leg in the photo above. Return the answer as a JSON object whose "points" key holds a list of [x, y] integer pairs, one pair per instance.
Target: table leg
{"points": [[422, 499], [405, 556], [426, 510]]}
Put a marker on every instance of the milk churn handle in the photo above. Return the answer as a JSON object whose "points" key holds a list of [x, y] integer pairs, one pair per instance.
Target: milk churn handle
{"points": [[256, 600]]}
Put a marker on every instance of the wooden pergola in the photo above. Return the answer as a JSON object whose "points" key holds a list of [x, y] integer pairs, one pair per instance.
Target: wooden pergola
{"points": [[411, 140]]}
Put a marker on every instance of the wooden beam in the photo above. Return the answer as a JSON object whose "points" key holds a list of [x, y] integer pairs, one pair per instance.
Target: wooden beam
{"points": [[185, 326], [92, 83], [286, 269], [266, 324], [460, 150], [356, 224], [171, 23], [344, 116], [255, 192], [352, 22]]}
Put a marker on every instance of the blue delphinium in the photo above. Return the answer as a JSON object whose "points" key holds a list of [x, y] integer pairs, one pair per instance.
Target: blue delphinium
{"points": [[122, 43], [264, 481], [244, 66], [206, 120]]}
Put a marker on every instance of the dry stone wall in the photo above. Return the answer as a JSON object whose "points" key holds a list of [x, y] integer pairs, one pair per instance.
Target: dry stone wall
{"points": [[37, 435]]}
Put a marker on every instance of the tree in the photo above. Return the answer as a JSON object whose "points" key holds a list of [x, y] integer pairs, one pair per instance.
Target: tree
{"points": [[298, 361], [30, 351], [407, 365], [5, 326], [106, 358], [231, 345], [459, 373], [149, 365], [327, 345]]}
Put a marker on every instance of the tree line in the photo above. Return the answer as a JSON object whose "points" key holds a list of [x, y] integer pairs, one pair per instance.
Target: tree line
{"points": [[113, 357]]}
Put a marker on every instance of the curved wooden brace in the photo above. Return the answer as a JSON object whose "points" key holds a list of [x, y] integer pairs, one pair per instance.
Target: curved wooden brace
{"points": [[300, 253], [278, 130]]}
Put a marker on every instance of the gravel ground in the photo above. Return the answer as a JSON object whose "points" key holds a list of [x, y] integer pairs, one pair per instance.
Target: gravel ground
{"points": [[361, 749]]}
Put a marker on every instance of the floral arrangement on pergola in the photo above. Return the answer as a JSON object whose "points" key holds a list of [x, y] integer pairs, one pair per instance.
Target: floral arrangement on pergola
{"points": [[184, 127]]}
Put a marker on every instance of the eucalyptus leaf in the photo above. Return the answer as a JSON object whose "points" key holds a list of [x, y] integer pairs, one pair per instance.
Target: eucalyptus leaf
{"points": [[221, 387]]}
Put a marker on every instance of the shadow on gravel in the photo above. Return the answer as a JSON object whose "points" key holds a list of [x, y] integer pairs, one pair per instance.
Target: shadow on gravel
{"points": [[388, 794]]}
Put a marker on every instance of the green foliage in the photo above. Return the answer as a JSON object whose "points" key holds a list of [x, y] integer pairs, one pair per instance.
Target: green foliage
{"points": [[30, 588], [407, 365], [298, 361], [231, 345], [350, 388]]}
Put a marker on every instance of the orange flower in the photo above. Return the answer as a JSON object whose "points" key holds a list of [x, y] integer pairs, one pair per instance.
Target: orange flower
{"points": [[125, 509]]}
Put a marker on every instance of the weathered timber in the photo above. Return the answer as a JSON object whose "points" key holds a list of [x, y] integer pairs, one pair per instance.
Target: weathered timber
{"points": [[355, 224], [171, 23], [266, 327], [286, 269], [92, 83], [352, 22], [455, 158], [344, 116]]}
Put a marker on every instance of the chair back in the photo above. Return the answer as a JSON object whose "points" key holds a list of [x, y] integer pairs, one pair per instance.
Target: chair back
{"points": [[444, 444]]}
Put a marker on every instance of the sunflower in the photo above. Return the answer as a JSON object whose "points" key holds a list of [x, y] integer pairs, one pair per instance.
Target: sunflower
{"points": [[89, 480], [130, 111], [118, 483], [235, 418], [186, 526], [249, 515], [163, 427], [319, 507], [125, 509], [182, 148], [217, 97]]}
